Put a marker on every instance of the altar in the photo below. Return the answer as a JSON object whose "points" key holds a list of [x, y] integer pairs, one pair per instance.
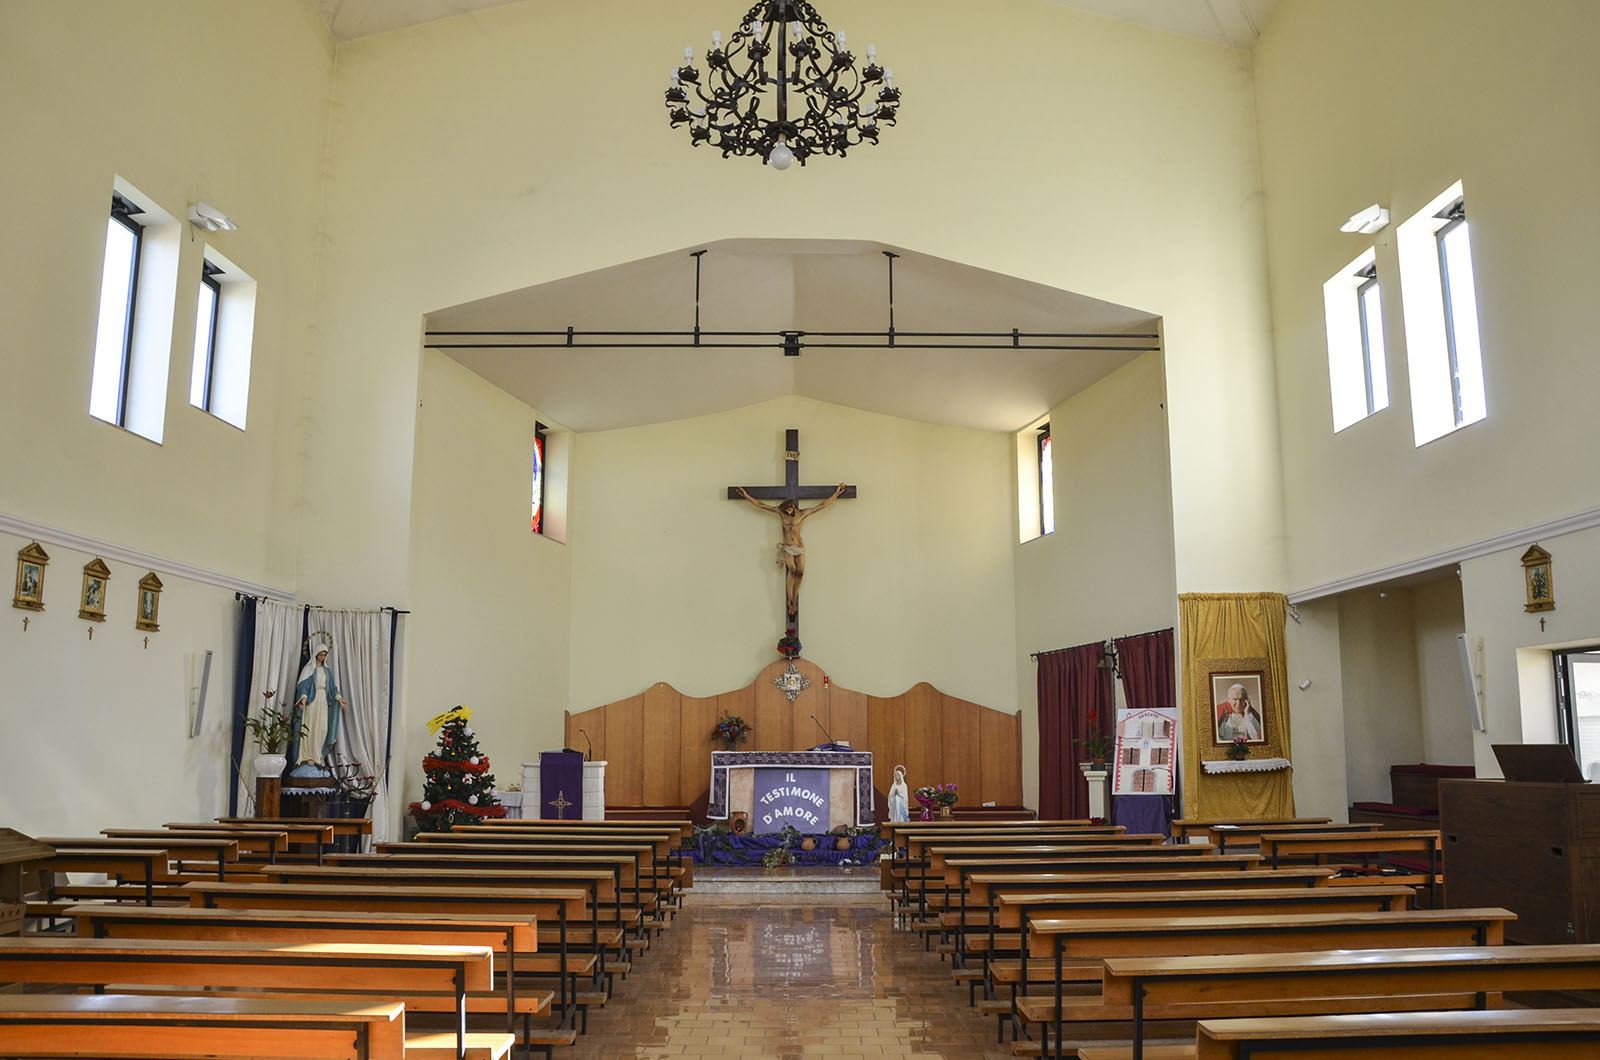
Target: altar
{"points": [[815, 791]]}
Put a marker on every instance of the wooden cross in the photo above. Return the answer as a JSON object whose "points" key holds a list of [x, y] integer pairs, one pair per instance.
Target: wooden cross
{"points": [[791, 493]]}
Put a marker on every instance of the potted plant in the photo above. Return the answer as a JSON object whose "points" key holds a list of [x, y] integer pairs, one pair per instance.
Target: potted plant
{"points": [[271, 730], [1098, 743], [1239, 749], [941, 795], [731, 730]]}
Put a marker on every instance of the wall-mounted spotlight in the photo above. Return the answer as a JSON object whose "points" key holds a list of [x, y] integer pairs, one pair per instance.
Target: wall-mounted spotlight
{"points": [[204, 215], [1367, 221]]}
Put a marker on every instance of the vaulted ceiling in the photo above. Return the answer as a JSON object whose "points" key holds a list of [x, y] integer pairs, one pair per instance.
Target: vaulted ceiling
{"points": [[1233, 22]]}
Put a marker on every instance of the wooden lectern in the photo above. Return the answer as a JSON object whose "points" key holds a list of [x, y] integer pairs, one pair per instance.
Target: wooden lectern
{"points": [[1533, 848]]}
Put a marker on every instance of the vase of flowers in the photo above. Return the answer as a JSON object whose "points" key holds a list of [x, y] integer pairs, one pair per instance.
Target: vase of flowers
{"points": [[789, 644], [272, 730], [1098, 743], [942, 796], [1239, 749], [731, 731]]}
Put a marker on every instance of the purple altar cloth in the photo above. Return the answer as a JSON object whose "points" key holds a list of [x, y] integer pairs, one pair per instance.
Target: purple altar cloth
{"points": [[1142, 814], [560, 787]]}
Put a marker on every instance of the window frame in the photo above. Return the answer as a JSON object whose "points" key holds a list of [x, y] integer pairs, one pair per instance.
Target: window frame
{"points": [[1454, 216], [1566, 709], [1369, 281], [1044, 452], [122, 212], [209, 272]]}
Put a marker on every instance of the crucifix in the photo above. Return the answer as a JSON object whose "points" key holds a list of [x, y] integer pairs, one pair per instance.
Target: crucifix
{"points": [[791, 552]]}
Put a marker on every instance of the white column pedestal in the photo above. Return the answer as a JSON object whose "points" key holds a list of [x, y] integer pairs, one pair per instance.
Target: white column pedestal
{"points": [[594, 791], [1099, 795]]}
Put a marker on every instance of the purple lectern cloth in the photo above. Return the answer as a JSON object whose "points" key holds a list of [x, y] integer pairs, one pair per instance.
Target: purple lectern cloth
{"points": [[560, 781], [1142, 814]]}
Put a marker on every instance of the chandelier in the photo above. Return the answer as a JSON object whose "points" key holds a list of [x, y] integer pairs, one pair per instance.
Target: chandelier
{"points": [[779, 47]]}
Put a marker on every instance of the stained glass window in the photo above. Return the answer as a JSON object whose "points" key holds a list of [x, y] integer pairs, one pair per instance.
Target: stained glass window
{"points": [[1047, 484], [537, 524]]}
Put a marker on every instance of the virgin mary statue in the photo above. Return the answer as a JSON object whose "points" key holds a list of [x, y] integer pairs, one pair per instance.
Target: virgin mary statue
{"points": [[317, 700]]}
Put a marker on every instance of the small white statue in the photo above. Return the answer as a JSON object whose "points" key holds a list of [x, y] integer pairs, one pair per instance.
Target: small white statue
{"points": [[899, 796]]}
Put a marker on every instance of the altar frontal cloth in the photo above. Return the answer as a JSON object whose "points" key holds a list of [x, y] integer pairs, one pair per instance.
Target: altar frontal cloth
{"points": [[560, 786], [797, 797]]}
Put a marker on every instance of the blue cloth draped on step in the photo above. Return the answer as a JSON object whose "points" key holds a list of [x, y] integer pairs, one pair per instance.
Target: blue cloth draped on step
{"points": [[713, 846]]}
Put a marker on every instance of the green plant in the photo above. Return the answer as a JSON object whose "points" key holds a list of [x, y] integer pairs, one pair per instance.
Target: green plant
{"points": [[783, 853], [272, 728]]}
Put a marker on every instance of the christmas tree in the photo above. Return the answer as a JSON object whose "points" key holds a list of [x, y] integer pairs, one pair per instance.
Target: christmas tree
{"points": [[459, 788]]}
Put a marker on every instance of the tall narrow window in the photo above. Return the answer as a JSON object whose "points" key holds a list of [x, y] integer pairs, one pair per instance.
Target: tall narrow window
{"points": [[1369, 301], [119, 286], [1047, 484], [1358, 371], [1460, 315], [538, 478], [205, 337], [1443, 349]]}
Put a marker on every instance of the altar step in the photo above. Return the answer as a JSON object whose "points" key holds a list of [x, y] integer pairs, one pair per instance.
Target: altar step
{"points": [[794, 879]]}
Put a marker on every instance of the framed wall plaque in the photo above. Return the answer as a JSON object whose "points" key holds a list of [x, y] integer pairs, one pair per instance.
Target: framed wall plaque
{"points": [[30, 578], [92, 605]]}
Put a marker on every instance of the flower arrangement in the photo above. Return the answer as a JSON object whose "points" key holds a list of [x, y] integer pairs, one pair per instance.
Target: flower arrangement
{"points": [[789, 643], [1098, 744], [1239, 749], [731, 730], [272, 728], [931, 795]]}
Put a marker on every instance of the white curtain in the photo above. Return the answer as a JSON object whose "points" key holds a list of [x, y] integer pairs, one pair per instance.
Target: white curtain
{"points": [[275, 666], [360, 661]]}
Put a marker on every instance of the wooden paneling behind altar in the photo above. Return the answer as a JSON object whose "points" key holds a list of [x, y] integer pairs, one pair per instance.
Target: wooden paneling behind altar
{"points": [[659, 743]]}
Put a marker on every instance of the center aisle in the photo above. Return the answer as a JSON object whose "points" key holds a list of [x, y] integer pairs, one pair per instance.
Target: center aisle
{"points": [[784, 977]]}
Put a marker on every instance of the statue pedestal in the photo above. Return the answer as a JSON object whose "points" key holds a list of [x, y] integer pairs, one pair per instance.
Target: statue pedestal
{"points": [[1098, 776]]}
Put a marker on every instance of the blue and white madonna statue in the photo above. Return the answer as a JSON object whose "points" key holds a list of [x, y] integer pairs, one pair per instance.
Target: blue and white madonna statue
{"points": [[320, 707], [899, 796]]}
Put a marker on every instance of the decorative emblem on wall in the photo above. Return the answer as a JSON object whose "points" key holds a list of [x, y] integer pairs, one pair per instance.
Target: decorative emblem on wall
{"points": [[30, 578], [93, 604], [791, 682], [149, 613]]}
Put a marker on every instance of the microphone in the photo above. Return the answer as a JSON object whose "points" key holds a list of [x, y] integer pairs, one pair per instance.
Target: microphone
{"points": [[590, 753], [824, 731]]}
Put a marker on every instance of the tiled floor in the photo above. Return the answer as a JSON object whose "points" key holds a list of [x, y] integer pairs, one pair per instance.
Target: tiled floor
{"points": [[788, 976]]}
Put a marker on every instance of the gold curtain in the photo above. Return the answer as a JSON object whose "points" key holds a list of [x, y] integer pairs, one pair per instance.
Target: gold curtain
{"points": [[1234, 633]]}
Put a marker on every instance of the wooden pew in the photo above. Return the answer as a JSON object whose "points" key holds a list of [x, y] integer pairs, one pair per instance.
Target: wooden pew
{"points": [[1548, 1034], [564, 905], [1249, 835], [347, 967], [1185, 827], [667, 858], [1312, 846], [109, 1025], [260, 844], [1013, 910], [318, 833], [217, 850], [1139, 989], [513, 939], [146, 866], [352, 830]]}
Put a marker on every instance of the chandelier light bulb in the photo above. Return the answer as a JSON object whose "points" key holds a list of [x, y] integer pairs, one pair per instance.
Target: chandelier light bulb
{"points": [[840, 38], [673, 73], [755, 28], [716, 39], [799, 31], [780, 157], [688, 56], [872, 53], [888, 76]]}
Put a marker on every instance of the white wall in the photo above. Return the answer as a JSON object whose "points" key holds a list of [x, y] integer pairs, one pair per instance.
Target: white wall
{"points": [[1364, 101], [1519, 683], [97, 730], [1441, 690], [187, 101], [1108, 570], [1378, 672], [1316, 712], [490, 600], [911, 581]]}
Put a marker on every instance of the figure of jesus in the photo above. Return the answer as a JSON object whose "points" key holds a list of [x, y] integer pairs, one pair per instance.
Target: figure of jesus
{"points": [[792, 550]]}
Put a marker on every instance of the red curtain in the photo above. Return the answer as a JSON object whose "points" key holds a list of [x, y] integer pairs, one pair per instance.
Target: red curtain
{"points": [[1071, 684], [1148, 678]]}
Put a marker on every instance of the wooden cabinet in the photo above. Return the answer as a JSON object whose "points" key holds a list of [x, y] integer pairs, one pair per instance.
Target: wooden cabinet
{"points": [[1531, 848]]}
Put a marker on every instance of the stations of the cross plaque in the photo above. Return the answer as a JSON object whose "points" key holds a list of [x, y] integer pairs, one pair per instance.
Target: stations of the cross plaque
{"points": [[787, 498]]}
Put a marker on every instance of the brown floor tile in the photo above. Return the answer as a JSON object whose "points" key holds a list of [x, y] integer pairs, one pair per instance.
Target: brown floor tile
{"points": [[788, 977]]}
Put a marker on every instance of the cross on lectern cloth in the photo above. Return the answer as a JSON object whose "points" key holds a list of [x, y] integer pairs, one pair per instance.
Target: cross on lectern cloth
{"points": [[560, 803], [791, 552]]}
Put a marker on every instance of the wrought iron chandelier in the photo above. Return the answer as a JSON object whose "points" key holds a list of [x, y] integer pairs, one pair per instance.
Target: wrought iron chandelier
{"points": [[782, 45]]}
